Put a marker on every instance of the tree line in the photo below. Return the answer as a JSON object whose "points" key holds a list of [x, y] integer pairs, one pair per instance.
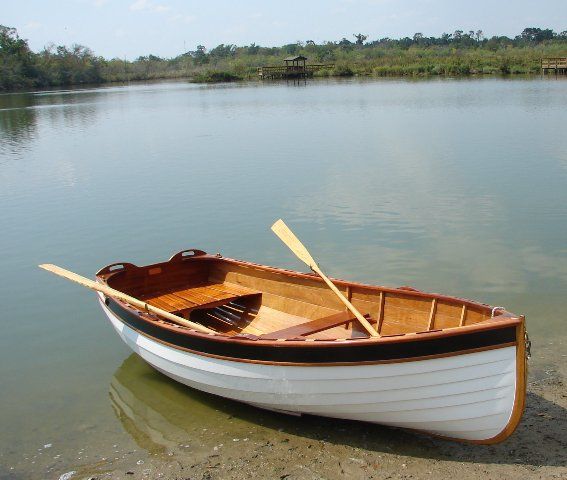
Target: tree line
{"points": [[457, 53]]}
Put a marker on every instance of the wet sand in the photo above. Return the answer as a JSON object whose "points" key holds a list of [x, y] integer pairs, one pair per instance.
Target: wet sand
{"points": [[258, 444]]}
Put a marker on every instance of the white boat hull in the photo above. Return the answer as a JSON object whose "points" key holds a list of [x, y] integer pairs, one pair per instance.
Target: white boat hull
{"points": [[467, 396]]}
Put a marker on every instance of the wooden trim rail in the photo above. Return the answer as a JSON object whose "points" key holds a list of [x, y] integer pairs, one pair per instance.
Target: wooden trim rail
{"points": [[558, 65]]}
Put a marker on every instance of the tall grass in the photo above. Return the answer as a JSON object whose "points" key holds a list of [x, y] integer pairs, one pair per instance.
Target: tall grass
{"points": [[58, 66]]}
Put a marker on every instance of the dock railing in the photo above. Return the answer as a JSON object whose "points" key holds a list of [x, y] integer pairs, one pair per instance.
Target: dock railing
{"points": [[282, 71], [556, 64]]}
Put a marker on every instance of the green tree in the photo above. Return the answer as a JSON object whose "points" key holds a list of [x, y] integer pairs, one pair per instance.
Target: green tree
{"points": [[360, 38], [253, 49], [536, 35], [223, 51], [17, 68], [291, 48], [200, 55], [418, 37]]}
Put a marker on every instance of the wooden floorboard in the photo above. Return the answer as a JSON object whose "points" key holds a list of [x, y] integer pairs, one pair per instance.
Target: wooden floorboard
{"points": [[199, 296]]}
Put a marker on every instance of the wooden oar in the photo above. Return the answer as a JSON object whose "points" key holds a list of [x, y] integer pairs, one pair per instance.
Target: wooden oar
{"points": [[111, 292], [289, 238]]}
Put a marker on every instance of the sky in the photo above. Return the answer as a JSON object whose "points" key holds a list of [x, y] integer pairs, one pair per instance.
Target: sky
{"points": [[167, 28]]}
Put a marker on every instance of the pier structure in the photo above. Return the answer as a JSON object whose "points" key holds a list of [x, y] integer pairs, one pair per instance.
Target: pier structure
{"points": [[557, 65], [295, 67]]}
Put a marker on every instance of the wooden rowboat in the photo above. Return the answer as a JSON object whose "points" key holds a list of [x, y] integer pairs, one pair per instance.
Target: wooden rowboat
{"points": [[281, 340]]}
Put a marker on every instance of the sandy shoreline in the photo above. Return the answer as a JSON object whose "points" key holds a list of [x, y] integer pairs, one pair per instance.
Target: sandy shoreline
{"points": [[313, 447]]}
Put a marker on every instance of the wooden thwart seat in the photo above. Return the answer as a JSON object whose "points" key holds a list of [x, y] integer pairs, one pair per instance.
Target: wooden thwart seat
{"points": [[209, 295], [313, 326]]}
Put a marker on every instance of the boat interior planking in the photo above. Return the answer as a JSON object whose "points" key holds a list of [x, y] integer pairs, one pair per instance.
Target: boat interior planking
{"points": [[234, 298]]}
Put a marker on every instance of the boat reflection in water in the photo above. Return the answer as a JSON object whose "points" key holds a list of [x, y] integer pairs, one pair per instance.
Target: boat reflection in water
{"points": [[161, 414]]}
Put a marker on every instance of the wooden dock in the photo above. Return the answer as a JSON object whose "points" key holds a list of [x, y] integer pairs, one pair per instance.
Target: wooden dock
{"points": [[295, 67], [287, 72], [557, 65]]}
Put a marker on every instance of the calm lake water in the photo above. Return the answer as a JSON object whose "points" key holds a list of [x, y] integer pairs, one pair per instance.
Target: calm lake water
{"points": [[453, 186]]}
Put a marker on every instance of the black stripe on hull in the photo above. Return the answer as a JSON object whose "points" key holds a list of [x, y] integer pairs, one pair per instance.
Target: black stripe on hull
{"points": [[344, 352]]}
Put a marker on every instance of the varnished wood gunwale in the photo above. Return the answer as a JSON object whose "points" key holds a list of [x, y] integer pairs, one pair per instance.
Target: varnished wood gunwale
{"points": [[345, 283], [346, 343], [251, 346], [315, 278], [501, 321], [498, 323]]}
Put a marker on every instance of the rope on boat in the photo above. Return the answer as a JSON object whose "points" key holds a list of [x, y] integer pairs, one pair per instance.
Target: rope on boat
{"points": [[528, 343]]}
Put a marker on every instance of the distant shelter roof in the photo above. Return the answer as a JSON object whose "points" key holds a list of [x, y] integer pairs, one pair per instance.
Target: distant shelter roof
{"points": [[297, 57]]}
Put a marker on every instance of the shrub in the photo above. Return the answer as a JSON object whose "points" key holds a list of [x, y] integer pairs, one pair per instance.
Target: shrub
{"points": [[215, 76], [342, 71]]}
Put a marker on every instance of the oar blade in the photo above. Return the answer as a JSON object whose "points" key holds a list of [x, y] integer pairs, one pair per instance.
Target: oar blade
{"points": [[68, 274], [289, 238], [293, 243]]}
